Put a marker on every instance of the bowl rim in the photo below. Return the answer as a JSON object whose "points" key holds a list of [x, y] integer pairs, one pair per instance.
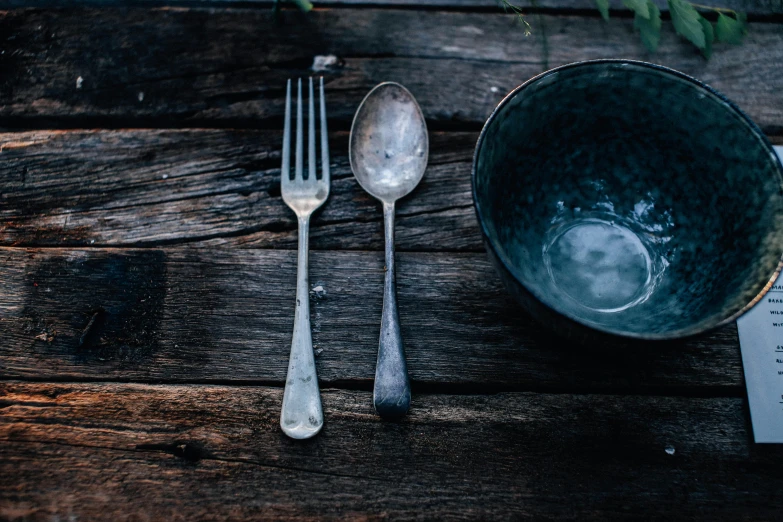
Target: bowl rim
{"points": [[490, 243]]}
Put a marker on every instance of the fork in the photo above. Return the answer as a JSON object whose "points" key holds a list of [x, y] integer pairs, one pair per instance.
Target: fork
{"points": [[301, 416]]}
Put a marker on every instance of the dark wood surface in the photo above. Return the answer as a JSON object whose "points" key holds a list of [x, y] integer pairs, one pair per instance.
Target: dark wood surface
{"points": [[219, 315], [147, 278], [187, 452], [227, 67], [754, 8]]}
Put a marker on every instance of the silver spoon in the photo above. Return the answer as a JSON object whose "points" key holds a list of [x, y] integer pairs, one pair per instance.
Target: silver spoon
{"points": [[388, 151]]}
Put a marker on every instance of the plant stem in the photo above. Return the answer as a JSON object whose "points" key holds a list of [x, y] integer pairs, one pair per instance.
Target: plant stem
{"points": [[716, 9], [520, 15]]}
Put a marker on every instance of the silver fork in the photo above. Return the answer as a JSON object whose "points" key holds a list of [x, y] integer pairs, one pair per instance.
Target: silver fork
{"points": [[301, 416]]}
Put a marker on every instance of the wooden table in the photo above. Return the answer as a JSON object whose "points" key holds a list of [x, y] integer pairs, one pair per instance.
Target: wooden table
{"points": [[148, 274]]}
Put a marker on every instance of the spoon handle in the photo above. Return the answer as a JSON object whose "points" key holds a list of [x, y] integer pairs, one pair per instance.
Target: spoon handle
{"points": [[392, 392]]}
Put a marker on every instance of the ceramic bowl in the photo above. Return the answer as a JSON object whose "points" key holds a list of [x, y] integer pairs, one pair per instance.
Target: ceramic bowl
{"points": [[629, 200]]}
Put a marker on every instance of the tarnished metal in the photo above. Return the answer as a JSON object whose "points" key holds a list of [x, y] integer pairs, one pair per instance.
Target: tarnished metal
{"points": [[301, 416], [388, 151]]}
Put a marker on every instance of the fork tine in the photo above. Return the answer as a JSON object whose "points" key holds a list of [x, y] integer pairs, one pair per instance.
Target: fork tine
{"points": [[311, 135], [285, 168], [298, 176], [324, 139]]}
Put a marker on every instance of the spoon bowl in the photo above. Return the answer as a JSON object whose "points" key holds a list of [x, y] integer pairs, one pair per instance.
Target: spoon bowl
{"points": [[388, 147]]}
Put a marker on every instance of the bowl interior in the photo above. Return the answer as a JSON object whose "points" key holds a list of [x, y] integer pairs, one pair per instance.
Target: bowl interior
{"points": [[630, 198]]}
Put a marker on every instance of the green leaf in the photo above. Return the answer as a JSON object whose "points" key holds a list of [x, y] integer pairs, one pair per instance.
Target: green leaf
{"points": [[686, 22], [729, 30], [603, 7], [709, 36], [304, 5], [639, 7], [649, 29]]}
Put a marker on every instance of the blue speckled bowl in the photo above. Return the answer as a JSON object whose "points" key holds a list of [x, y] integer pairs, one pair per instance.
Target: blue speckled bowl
{"points": [[622, 200]]}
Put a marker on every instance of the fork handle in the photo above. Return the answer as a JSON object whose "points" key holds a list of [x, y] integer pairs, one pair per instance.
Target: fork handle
{"points": [[392, 391], [301, 416]]}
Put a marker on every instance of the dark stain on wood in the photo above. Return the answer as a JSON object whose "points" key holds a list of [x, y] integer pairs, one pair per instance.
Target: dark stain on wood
{"points": [[113, 304]]}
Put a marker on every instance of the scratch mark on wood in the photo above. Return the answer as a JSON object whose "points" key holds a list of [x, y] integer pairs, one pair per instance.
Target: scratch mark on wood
{"points": [[88, 328]]}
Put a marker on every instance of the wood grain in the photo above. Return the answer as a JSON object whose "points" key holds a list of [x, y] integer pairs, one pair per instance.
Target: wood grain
{"points": [[227, 67], [134, 452], [755, 8], [215, 188], [758, 7], [217, 315], [222, 187], [205, 327]]}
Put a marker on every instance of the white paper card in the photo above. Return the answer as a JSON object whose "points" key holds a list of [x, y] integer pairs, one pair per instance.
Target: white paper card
{"points": [[761, 343]]}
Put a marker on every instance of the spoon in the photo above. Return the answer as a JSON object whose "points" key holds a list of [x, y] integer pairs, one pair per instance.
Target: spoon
{"points": [[388, 152]]}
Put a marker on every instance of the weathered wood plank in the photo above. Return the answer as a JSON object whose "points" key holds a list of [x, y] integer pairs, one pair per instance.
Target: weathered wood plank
{"points": [[122, 452], [219, 187], [758, 7], [216, 187], [752, 7], [188, 67], [218, 315]]}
